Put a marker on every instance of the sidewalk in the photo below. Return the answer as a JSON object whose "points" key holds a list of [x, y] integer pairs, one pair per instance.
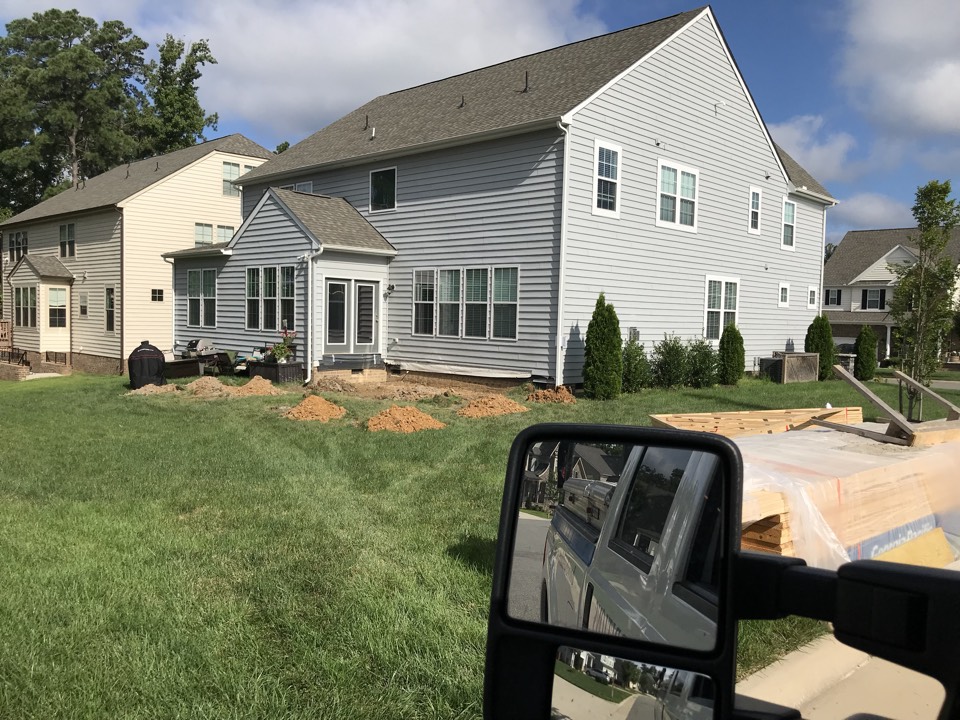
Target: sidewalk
{"points": [[827, 680]]}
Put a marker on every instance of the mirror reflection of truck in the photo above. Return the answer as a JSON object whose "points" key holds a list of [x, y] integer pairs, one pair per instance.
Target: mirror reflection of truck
{"points": [[684, 695], [632, 545]]}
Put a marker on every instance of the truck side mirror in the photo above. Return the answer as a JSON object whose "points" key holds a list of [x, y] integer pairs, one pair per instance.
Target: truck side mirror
{"points": [[615, 554]]}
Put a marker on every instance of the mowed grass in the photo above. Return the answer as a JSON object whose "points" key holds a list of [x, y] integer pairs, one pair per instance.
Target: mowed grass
{"points": [[166, 556]]}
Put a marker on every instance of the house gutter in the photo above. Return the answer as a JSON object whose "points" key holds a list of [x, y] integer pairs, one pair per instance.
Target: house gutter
{"points": [[123, 296], [309, 324], [564, 126], [173, 304]]}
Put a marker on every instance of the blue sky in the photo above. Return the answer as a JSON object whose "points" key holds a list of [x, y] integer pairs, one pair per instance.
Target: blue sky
{"points": [[863, 93]]}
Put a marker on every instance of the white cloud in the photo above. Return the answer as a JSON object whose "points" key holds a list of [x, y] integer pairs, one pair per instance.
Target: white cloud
{"points": [[867, 211], [825, 155], [902, 64]]}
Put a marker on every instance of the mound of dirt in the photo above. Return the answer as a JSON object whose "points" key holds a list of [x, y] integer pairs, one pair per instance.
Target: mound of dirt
{"points": [[410, 393], [561, 394], [332, 385], [208, 386], [314, 407], [404, 420], [490, 406], [257, 386], [154, 390]]}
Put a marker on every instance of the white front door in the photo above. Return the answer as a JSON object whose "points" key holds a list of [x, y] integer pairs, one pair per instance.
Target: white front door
{"points": [[352, 317]]}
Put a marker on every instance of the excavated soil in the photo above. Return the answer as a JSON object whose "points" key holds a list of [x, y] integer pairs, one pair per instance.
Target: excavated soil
{"points": [[208, 387], [323, 384], [257, 386], [154, 390], [314, 407], [490, 406], [404, 420], [561, 394]]}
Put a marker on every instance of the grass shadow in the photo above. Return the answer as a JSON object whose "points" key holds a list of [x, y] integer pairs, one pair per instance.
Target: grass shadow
{"points": [[475, 552]]}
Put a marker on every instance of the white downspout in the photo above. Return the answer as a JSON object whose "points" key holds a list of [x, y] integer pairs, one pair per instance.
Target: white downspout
{"points": [[173, 305], [563, 126], [311, 330]]}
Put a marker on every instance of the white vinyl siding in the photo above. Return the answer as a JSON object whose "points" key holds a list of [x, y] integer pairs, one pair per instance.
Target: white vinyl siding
{"points": [[607, 164], [677, 201]]}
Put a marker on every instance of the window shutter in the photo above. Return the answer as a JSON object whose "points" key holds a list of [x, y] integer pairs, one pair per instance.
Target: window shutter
{"points": [[863, 301], [883, 299]]}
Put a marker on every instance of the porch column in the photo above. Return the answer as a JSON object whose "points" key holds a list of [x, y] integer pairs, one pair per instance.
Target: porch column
{"points": [[889, 333]]}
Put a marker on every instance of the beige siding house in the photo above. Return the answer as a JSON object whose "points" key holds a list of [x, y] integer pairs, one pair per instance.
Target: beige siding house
{"points": [[83, 277]]}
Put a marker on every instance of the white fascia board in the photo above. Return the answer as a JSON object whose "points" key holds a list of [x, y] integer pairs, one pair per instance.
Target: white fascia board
{"points": [[359, 251]]}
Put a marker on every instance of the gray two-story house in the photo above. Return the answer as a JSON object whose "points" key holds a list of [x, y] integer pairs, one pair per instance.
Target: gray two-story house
{"points": [[502, 201]]}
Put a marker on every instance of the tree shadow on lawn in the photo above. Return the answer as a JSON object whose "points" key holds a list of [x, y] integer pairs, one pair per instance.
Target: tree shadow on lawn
{"points": [[475, 552]]}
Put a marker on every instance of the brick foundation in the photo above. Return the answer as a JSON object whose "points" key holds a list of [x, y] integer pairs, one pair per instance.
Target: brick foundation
{"points": [[353, 376], [96, 364], [8, 371]]}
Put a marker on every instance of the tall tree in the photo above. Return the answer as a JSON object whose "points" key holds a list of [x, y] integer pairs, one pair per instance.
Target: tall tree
{"points": [[923, 300], [172, 117]]}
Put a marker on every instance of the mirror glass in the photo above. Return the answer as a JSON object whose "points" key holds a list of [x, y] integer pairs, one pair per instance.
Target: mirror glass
{"points": [[620, 540], [590, 685]]}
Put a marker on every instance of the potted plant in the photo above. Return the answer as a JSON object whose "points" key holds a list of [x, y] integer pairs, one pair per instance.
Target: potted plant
{"points": [[283, 350]]}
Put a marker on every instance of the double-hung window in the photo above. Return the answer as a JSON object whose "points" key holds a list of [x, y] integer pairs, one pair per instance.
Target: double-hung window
{"points": [[110, 309], [68, 242], [721, 305], [505, 303], [783, 299], [789, 224], [202, 298], [832, 296], [473, 302], [25, 306], [383, 190], [17, 245], [202, 234], [423, 301], [678, 199], [811, 297], [253, 298], [606, 186], [269, 298], [57, 307], [753, 224], [448, 303], [231, 172], [224, 233], [271, 294], [288, 289], [873, 299]]}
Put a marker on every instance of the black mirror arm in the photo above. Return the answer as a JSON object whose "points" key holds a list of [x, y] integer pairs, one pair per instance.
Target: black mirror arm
{"points": [[769, 587]]}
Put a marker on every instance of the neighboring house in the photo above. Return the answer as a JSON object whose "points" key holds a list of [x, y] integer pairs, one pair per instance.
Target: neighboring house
{"points": [[83, 277], [634, 163], [858, 282]]}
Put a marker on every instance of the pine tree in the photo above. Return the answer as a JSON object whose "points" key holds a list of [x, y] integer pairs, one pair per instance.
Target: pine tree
{"points": [[820, 340], [603, 359], [865, 366], [731, 356]]}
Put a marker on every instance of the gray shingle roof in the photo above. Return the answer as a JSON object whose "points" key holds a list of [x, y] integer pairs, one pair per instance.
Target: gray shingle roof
{"points": [[798, 176], [846, 317], [121, 182], [201, 251], [859, 249], [334, 222], [492, 99], [47, 266]]}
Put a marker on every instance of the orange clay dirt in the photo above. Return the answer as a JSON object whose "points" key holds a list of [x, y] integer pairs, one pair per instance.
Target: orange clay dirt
{"points": [[491, 406], [561, 394], [404, 420], [314, 407]]}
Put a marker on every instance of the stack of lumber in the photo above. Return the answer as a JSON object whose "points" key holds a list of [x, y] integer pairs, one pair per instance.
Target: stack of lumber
{"points": [[755, 422]]}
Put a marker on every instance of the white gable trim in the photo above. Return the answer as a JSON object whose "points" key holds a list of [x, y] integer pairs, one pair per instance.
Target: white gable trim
{"points": [[269, 193], [882, 259]]}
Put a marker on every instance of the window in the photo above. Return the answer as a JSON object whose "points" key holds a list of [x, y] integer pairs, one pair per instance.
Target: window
{"points": [[832, 297], [304, 187], [505, 303], [753, 225], [231, 172], [224, 233], [383, 190], [783, 298], [269, 298], [721, 310], [336, 313], [789, 224], [68, 244], [606, 200], [57, 307], [423, 297], [202, 234], [365, 308], [288, 286], [25, 307], [475, 303], [650, 498], [811, 298], [202, 298], [677, 204], [84, 303], [156, 295], [17, 246], [448, 303], [873, 300], [109, 304], [253, 298]]}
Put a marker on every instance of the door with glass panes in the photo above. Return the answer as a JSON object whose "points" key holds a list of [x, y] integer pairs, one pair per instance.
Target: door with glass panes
{"points": [[352, 317]]}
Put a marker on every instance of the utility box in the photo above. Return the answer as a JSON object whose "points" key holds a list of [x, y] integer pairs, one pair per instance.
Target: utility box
{"points": [[791, 367]]}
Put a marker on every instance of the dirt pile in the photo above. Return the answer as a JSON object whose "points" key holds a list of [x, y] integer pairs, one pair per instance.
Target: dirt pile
{"points": [[490, 406], [314, 407], [409, 393], [208, 387], [404, 420], [330, 384], [561, 394], [154, 390], [257, 386]]}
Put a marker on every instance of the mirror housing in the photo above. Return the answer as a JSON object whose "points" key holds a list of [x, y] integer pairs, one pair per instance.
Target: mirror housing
{"points": [[520, 658]]}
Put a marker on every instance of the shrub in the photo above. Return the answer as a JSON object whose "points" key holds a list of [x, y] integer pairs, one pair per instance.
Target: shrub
{"points": [[636, 368], [701, 364], [669, 362], [865, 365], [603, 359], [730, 356], [820, 340]]}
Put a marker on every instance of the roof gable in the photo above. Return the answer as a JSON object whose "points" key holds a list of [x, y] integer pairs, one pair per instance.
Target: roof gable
{"points": [[41, 266], [333, 223], [860, 249], [116, 185]]}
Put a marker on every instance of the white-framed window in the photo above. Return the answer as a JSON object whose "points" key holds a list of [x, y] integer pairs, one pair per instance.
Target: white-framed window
{"points": [[721, 305], [271, 293], [783, 295], [110, 309], [832, 296], [606, 183], [472, 302], [57, 307], [811, 297], [304, 187], [224, 233], [202, 298], [677, 200], [753, 219], [383, 189], [83, 300], [873, 299], [202, 234], [68, 240], [25, 306], [16, 244], [787, 240], [231, 172]]}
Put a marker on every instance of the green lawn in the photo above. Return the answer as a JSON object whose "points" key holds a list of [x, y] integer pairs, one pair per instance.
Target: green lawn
{"points": [[587, 683], [164, 556]]}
